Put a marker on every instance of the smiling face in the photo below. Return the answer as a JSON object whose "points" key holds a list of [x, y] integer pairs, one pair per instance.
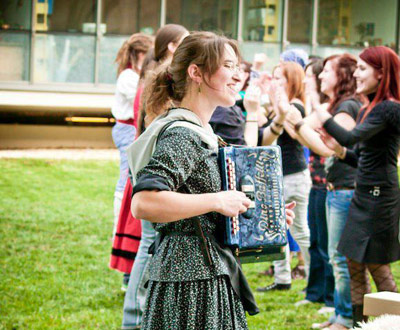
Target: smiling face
{"points": [[223, 84], [328, 79], [367, 78], [279, 78]]}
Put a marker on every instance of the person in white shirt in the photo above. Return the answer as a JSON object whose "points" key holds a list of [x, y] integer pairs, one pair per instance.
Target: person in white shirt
{"points": [[129, 59]]}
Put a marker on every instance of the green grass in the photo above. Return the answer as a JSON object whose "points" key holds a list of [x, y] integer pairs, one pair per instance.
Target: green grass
{"points": [[55, 227]]}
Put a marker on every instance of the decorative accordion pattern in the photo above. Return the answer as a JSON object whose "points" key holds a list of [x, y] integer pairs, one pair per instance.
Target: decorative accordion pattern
{"points": [[256, 171]]}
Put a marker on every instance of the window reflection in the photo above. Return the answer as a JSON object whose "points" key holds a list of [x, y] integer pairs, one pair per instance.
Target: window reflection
{"points": [[262, 20], [359, 23], [15, 14], [205, 15], [300, 21]]}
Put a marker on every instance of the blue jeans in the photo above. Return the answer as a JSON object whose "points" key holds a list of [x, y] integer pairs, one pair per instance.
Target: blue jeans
{"points": [[337, 210], [135, 296], [321, 283], [123, 135]]}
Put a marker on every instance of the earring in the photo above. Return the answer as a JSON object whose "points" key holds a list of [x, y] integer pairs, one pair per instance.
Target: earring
{"points": [[199, 89]]}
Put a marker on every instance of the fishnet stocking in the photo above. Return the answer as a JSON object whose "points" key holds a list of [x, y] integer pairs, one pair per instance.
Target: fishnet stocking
{"points": [[383, 277], [359, 281]]}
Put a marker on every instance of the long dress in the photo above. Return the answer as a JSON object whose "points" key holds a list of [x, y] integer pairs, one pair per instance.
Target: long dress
{"points": [[184, 292], [371, 234]]}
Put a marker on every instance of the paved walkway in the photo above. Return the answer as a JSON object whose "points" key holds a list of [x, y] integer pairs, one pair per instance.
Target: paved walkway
{"points": [[71, 154]]}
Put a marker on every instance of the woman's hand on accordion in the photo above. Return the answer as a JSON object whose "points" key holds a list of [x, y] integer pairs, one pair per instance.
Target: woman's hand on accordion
{"points": [[231, 203], [290, 213]]}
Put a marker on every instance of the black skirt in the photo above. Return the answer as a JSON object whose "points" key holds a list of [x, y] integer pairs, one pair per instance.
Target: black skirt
{"points": [[371, 234]]}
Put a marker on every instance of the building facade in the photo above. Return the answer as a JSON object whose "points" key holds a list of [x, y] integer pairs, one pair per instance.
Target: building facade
{"points": [[71, 45]]}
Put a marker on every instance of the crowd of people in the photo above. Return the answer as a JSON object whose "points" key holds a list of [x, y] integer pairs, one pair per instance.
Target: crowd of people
{"points": [[337, 122]]}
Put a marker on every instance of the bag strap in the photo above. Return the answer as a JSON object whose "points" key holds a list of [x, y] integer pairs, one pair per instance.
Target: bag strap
{"points": [[166, 126]]}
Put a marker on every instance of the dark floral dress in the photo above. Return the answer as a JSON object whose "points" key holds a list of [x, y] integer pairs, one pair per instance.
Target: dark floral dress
{"points": [[184, 292]]}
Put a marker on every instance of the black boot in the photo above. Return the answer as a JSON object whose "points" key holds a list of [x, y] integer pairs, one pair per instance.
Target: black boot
{"points": [[358, 315]]}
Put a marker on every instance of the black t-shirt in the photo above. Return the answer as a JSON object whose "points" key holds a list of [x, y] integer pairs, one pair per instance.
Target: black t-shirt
{"points": [[339, 173], [229, 124], [378, 144], [293, 160]]}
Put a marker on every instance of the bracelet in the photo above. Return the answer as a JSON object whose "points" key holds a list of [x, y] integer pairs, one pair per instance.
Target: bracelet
{"points": [[277, 124], [273, 131], [298, 125], [251, 121]]}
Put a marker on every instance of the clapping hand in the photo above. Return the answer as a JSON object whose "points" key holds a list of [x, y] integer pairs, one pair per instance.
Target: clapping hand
{"points": [[251, 99]]}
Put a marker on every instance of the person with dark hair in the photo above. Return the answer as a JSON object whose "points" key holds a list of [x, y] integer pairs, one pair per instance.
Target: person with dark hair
{"points": [[321, 283], [370, 239], [195, 282], [338, 83], [166, 42]]}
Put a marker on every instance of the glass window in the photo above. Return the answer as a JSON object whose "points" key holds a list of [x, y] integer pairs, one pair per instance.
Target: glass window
{"points": [[67, 16], [120, 19], [64, 58], [359, 23], [15, 15], [262, 20], [14, 54], [109, 47], [127, 16], [205, 15], [300, 21]]}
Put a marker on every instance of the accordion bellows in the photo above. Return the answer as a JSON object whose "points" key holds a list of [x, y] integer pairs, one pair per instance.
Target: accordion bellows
{"points": [[260, 232]]}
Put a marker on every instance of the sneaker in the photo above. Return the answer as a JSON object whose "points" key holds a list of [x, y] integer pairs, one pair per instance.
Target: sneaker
{"points": [[326, 310], [275, 286], [303, 302], [321, 325], [124, 287]]}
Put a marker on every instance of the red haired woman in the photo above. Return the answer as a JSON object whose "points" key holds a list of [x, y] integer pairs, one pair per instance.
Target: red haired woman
{"points": [[338, 83], [370, 240]]}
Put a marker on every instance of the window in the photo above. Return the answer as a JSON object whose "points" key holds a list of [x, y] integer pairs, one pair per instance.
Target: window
{"points": [[300, 21], [262, 20], [120, 19], [15, 22], [205, 15], [358, 23], [64, 47]]}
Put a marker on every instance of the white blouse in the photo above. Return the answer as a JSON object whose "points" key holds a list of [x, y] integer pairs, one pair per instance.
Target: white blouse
{"points": [[125, 93]]}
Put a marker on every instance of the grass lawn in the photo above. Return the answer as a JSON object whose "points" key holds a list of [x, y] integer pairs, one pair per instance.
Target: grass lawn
{"points": [[55, 227]]}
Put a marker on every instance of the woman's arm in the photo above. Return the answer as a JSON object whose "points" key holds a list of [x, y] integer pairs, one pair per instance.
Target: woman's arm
{"points": [[168, 206]]}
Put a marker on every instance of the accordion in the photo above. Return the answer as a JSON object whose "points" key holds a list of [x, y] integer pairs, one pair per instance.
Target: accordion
{"points": [[259, 234]]}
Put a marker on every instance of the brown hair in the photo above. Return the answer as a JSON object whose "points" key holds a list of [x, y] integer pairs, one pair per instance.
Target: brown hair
{"points": [[128, 54], [164, 36], [294, 75], [345, 88], [169, 84]]}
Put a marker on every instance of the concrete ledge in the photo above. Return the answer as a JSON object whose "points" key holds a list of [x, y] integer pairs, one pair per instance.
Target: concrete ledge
{"points": [[23, 101]]}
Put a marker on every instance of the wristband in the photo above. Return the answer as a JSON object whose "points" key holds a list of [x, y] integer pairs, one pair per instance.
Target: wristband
{"points": [[277, 124], [273, 131]]}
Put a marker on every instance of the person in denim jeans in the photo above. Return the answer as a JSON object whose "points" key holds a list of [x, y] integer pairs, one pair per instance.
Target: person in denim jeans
{"points": [[135, 296], [166, 41], [337, 210], [338, 83]]}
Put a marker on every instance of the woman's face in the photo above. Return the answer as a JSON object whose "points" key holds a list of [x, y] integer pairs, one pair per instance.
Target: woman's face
{"points": [[309, 78], [367, 78], [279, 78], [224, 82], [328, 79]]}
